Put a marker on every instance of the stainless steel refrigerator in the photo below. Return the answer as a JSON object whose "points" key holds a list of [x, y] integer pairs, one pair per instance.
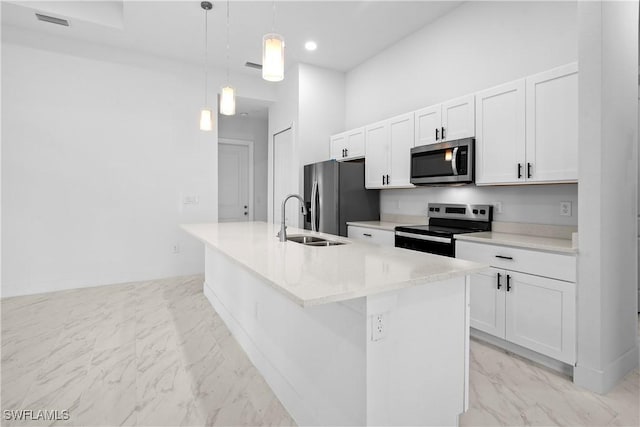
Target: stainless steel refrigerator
{"points": [[334, 193]]}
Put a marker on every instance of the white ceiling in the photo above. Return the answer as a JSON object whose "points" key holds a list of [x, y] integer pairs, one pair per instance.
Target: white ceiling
{"points": [[347, 32]]}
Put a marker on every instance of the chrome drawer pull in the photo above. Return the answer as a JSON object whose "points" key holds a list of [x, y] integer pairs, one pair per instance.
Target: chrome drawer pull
{"points": [[504, 257]]}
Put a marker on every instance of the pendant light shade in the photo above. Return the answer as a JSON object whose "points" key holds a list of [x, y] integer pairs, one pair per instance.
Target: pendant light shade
{"points": [[228, 101], [206, 119], [273, 57]]}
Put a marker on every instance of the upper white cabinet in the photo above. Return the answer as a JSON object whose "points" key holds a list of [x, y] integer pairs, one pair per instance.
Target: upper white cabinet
{"points": [[552, 125], [448, 121], [388, 158], [348, 145], [500, 134], [527, 130]]}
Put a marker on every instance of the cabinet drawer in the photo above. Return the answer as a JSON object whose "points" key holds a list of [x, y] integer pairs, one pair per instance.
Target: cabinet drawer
{"points": [[371, 235], [557, 266]]}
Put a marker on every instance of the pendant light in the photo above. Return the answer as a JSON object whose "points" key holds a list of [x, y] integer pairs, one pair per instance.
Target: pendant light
{"points": [[206, 114], [273, 54], [228, 93]]}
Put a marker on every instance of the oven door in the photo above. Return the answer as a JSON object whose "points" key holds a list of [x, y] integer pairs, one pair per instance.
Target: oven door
{"points": [[425, 243], [445, 162]]}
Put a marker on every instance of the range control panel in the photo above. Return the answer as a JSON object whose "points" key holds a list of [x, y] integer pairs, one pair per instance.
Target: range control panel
{"points": [[460, 211]]}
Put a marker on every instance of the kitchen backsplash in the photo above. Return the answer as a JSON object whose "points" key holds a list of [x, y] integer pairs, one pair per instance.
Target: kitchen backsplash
{"points": [[538, 204]]}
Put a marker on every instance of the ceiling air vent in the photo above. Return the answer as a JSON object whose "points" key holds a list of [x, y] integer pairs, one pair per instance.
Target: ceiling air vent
{"points": [[253, 65], [52, 20]]}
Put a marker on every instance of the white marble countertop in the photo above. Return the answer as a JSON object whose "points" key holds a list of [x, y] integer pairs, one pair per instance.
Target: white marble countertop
{"points": [[378, 225], [319, 275], [520, 241]]}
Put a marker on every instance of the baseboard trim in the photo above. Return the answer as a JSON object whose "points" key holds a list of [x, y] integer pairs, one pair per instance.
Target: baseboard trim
{"points": [[602, 381], [531, 355]]}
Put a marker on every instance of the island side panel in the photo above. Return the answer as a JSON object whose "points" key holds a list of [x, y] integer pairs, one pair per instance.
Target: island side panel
{"points": [[313, 358], [417, 373]]}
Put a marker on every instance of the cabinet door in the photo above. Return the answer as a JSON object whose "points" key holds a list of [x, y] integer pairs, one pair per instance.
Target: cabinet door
{"points": [[355, 143], [458, 118], [552, 125], [500, 134], [376, 141], [540, 315], [338, 144], [401, 134], [488, 302], [428, 122]]}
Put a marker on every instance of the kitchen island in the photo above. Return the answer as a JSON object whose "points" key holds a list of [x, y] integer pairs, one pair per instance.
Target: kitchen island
{"points": [[351, 334]]}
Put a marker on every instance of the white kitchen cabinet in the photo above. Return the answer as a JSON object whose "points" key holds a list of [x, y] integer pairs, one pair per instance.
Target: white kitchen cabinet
{"points": [[527, 130], [371, 235], [388, 152], [529, 310], [448, 121], [348, 145], [552, 125], [500, 134], [428, 123], [376, 154]]}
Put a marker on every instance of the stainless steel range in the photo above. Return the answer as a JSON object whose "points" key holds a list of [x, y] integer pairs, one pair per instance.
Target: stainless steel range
{"points": [[445, 220]]}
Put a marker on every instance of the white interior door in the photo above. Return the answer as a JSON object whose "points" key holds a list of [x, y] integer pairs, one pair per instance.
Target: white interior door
{"points": [[284, 178], [234, 181]]}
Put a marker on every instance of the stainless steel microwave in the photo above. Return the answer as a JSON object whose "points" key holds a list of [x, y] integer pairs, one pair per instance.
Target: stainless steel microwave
{"points": [[443, 163]]}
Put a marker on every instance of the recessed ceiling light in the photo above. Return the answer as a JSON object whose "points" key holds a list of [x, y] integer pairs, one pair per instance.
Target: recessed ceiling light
{"points": [[310, 45]]}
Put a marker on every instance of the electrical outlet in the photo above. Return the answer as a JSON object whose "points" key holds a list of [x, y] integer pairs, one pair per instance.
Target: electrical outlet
{"points": [[565, 208], [378, 327], [497, 207], [175, 248]]}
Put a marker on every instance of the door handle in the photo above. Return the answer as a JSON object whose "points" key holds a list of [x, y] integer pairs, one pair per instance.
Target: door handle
{"points": [[382, 179], [504, 257], [314, 190], [246, 213], [508, 283], [437, 130], [366, 234], [498, 276], [442, 133], [387, 179], [454, 161], [346, 152], [528, 170], [519, 171]]}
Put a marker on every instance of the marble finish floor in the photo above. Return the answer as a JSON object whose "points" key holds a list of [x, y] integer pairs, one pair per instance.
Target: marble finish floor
{"points": [[156, 353]]}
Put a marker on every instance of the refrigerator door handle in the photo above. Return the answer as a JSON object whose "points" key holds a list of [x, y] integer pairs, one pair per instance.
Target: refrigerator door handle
{"points": [[314, 212]]}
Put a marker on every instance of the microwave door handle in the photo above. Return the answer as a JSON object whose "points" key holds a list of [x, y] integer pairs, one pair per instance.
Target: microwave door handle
{"points": [[454, 161]]}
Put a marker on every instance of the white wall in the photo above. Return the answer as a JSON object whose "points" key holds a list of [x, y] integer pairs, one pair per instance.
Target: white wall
{"points": [[476, 46], [311, 99], [608, 127], [256, 130], [99, 148], [321, 112]]}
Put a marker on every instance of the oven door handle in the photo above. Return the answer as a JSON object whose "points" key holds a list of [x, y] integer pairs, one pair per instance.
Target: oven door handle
{"points": [[423, 237], [454, 161]]}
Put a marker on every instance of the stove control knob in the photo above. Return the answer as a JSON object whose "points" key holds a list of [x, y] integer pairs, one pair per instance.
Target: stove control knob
{"points": [[430, 209], [475, 211], [482, 212]]}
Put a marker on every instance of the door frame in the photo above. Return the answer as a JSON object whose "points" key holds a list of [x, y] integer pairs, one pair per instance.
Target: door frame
{"points": [[248, 143], [272, 162]]}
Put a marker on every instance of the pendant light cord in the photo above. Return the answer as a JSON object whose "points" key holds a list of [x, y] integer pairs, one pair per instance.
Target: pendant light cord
{"points": [[273, 24], [227, 42], [206, 52]]}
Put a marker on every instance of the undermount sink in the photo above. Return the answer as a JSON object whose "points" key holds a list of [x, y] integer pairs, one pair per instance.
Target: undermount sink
{"points": [[313, 241]]}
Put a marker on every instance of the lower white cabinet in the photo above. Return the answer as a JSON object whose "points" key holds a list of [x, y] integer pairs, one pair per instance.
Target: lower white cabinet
{"points": [[529, 310], [371, 235]]}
